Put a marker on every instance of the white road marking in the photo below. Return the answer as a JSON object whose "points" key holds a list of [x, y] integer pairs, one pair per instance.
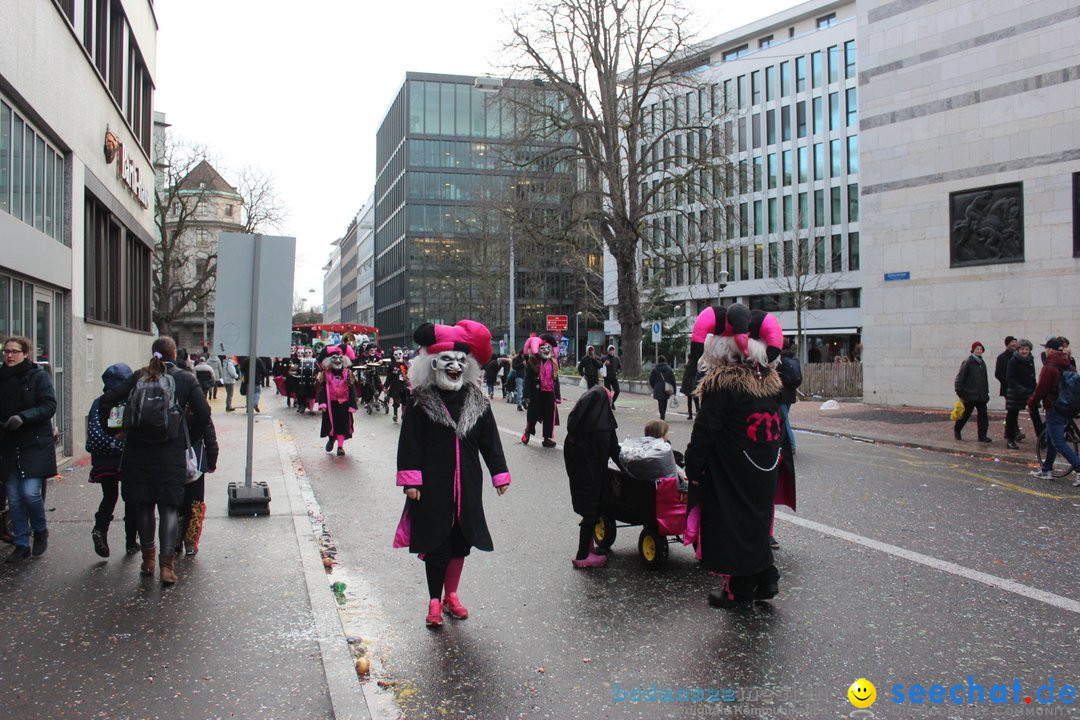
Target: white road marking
{"points": [[1012, 586], [932, 562]]}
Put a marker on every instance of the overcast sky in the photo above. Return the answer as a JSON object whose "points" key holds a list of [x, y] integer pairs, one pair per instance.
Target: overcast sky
{"points": [[298, 89]]}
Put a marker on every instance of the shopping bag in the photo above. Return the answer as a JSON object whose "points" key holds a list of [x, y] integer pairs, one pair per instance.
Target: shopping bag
{"points": [[957, 411]]}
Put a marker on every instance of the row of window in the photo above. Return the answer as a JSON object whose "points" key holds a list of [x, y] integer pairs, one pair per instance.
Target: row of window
{"points": [[31, 175], [442, 108], [765, 85], [823, 300], [106, 36], [789, 258], [117, 271], [16, 307]]}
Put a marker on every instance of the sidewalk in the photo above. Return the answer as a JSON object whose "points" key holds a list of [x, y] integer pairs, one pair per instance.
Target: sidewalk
{"points": [[250, 630]]}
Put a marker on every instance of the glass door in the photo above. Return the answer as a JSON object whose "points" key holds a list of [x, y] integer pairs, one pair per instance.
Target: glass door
{"points": [[46, 350]]}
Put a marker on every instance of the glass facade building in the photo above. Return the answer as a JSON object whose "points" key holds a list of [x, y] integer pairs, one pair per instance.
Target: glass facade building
{"points": [[442, 243]]}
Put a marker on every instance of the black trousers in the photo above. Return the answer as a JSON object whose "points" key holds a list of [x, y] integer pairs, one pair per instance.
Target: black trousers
{"points": [[612, 384], [661, 404], [983, 422]]}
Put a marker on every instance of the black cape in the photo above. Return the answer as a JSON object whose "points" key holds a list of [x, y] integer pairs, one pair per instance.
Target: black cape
{"points": [[733, 455], [590, 441]]}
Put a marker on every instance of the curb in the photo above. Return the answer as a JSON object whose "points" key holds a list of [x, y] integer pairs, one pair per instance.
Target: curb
{"points": [[917, 445]]}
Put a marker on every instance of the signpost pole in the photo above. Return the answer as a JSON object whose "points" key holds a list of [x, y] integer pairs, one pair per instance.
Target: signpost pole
{"points": [[253, 361]]}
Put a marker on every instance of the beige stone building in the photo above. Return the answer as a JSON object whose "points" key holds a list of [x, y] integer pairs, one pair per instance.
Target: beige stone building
{"points": [[970, 164]]}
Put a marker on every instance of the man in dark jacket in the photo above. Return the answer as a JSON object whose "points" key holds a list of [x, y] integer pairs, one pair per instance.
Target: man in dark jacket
{"points": [[1019, 385], [612, 366], [973, 388], [1046, 392], [27, 457], [661, 380], [1002, 366], [589, 367], [791, 377]]}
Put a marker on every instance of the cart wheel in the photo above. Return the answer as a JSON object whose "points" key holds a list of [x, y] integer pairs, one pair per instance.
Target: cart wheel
{"points": [[604, 532], [652, 548]]}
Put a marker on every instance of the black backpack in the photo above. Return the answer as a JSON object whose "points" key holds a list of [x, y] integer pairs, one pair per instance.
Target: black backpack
{"points": [[152, 414], [1068, 399]]}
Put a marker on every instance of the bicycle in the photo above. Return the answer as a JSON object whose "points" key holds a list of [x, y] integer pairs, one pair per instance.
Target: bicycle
{"points": [[1062, 467]]}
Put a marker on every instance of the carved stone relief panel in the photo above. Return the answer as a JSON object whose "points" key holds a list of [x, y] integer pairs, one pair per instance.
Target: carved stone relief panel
{"points": [[987, 225]]}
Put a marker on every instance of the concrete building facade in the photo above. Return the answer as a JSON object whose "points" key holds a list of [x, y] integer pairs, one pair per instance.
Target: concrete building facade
{"points": [[332, 286], [76, 186], [365, 268], [970, 164]]}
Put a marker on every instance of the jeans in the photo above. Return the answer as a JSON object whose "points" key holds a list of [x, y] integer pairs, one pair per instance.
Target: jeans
{"points": [[26, 505], [784, 409], [228, 396], [520, 390], [1055, 430], [258, 392]]}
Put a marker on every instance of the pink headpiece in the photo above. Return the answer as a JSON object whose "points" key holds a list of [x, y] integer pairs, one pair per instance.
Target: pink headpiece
{"points": [[467, 336]]}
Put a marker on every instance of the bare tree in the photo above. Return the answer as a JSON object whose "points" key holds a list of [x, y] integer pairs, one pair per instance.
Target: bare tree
{"points": [[184, 269], [800, 280], [617, 106]]}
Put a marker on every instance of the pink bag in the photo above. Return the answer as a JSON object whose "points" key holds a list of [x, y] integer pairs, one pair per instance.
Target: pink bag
{"points": [[670, 511]]}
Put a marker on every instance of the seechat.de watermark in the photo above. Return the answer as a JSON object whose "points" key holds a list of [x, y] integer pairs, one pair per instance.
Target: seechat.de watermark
{"points": [[972, 692]]}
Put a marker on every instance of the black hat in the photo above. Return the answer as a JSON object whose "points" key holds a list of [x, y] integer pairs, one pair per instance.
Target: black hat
{"points": [[1009, 339], [1054, 343]]}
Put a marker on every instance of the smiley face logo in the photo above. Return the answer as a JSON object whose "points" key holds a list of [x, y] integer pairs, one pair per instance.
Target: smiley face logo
{"points": [[862, 693]]}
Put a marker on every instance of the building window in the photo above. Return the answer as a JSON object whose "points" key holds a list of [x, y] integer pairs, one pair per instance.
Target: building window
{"points": [[770, 82], [770, 127], [849, 59], [819, 120], [800, 119], [815, 69], [834, 64], [740, 90], [785, 123], [31, 175], [853, 202], [755, 87], [800, 73], [765, 41], [785, 162], [1076, 214], [819, 255], [771, 170], [228, 211], [835, 158], [819, 208], [826, 20], [789, 215], [819, 161], [853, 154], [837, 254], [785, 79], [804, 163], [834, 111], [836, 205], [736, 52], [117, 271], [853, 250], [852, 108]]}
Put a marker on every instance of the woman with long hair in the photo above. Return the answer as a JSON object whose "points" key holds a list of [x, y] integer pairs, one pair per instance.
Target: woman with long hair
{"points": [[154, 467]]}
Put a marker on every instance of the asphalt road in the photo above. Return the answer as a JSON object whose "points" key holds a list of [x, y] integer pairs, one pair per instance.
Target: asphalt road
{"points": [[901, 566]]}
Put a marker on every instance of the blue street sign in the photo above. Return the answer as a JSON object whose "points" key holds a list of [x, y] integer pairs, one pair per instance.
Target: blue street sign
{"points": [[905, 275]]}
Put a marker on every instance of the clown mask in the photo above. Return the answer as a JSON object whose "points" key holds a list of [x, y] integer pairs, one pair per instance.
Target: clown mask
{"points": [[545, 352], [398, 356], [449, 367], [335, 363]]}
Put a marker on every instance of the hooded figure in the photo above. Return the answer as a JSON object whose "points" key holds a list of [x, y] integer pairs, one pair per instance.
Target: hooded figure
{"points": [[105, 453], [590, 441], [541, 388], [397, 380], [337, 399], [733, 455], [447, 427]]}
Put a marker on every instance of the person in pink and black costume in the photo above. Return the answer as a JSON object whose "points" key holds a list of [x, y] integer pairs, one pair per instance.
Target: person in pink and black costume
{"points": [[337, 399], [541, 388], [735, 450], [447, 428]]}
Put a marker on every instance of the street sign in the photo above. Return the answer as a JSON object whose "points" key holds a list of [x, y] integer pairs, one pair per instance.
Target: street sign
{"points": [[657, 330], [557, 322], [893, 276]]}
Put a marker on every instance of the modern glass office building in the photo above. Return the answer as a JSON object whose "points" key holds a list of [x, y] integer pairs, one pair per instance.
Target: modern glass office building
{"points": [[778, 101], [442, 243]]}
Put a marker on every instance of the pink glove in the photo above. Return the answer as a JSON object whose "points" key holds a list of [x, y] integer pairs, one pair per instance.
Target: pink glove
{"points": [[322, 407], [352, 410]]}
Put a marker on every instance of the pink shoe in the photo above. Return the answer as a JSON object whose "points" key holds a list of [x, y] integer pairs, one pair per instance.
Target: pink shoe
{"points": [[592, 561], [453, 606], [434, 614]]}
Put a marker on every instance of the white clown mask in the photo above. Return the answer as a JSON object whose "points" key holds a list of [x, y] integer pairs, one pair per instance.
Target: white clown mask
{"points": [[545, 351], [398, 356], [449, 367]]}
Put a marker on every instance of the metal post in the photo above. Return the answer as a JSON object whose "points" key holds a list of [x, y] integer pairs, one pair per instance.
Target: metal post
{"points": [[513, 305], [577, 340], [253, 359]]}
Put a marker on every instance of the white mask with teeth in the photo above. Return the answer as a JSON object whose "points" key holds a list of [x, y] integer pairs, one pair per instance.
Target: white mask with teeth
{"points": [[398, 356], [449, 367], [545, 351]]}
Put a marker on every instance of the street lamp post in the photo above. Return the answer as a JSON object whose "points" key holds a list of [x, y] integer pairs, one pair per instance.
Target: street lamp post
{"points": [[513, 306]]}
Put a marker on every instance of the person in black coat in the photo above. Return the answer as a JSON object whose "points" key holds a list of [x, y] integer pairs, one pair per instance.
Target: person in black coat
{"points": [[660, 378], [447, 428], [791, 377], [27, 457], [691, 377], [1001, 367], [491, 376], [590, 441], [153, 474], [973, 388], [589, 367], [193, 507], [542, 389], [612, 366], [1020, 380], [517, 367]]}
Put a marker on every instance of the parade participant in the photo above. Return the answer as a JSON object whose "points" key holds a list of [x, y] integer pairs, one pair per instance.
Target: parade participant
{"points": [[448, 426], [337, 399], [154, 466], [542, 389], [307, 373], [734, 451], [590, 441], [27, 453], [397, 381], [105, 452]]}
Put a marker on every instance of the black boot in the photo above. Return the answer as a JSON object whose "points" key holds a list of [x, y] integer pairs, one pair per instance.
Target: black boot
{"points": [[100, 537], [41, 542], [20, 553]]}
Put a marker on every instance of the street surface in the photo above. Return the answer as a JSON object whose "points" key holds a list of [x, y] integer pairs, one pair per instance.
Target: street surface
{"points": [[917, 567]]}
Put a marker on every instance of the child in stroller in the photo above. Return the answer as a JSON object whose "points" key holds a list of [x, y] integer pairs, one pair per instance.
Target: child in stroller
{"points": [[652, 457]]}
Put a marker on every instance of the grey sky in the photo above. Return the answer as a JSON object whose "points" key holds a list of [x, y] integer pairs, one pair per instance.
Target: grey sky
{"points": [[299, 89]]}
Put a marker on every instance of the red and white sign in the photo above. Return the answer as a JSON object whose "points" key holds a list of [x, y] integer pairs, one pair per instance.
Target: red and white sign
{"points": [[556, 322]]}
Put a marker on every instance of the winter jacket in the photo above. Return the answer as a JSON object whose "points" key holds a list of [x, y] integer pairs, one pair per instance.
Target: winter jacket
{"points": [[791, 377], [971, 384], [105, 462], [613, 365], [661, 374], [1046, 391], [589, 368], [1019, 381], [230, 374], [1001, 370], [27, 391]]}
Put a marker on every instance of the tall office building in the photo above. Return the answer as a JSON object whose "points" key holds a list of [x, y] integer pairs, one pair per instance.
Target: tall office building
{"points": [[76, 189], [441, 243], [777, 100]]}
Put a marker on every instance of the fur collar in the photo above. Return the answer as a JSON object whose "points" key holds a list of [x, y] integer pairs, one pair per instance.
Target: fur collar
{"points": [[740, 378], [427, 399]]}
